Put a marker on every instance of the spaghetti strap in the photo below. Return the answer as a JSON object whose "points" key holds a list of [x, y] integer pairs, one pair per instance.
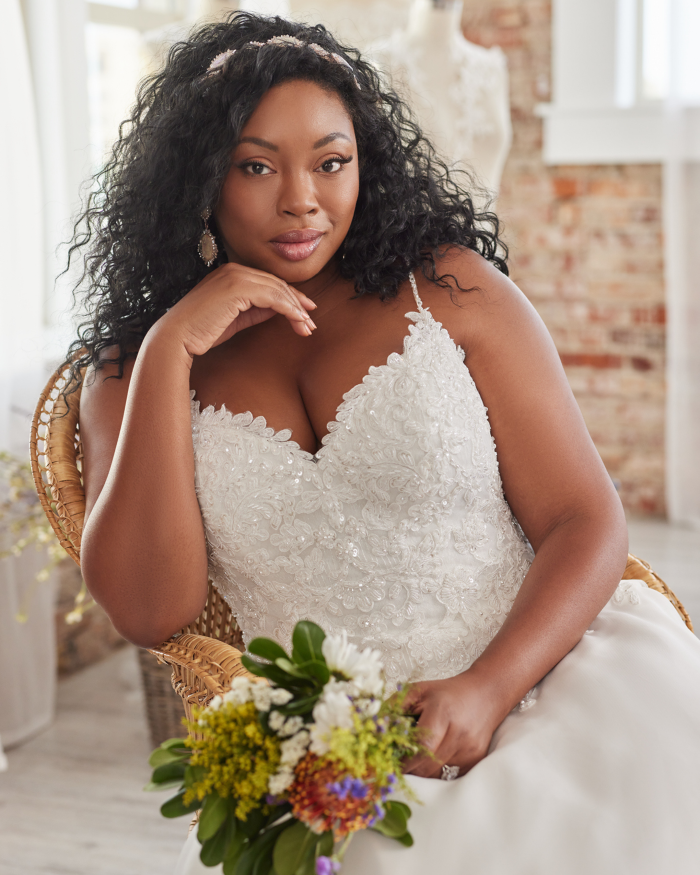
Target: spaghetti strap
{"points": [[415, 292]]}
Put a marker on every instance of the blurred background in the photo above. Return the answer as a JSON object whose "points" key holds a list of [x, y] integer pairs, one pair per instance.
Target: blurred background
{"points": [[580, 117]]}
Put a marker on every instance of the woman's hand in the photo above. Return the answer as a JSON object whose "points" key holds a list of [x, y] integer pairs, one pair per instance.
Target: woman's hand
{"points": [[228, 300], [458, 717]]}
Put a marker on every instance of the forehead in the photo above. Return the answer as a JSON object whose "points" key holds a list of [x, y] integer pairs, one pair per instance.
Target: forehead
{"points": [[299, 112]]}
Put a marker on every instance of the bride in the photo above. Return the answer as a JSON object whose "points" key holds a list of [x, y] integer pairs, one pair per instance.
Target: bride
{"points": [[275, 252]]}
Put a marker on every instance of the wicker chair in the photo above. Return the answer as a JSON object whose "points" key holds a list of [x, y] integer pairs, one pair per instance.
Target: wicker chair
{"points": [[205, 656]]}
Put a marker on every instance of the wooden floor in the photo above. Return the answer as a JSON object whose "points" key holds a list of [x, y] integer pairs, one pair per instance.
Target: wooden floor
{"points": [[71, 802]]}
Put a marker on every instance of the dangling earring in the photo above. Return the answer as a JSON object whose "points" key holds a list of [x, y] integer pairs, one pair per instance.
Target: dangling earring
{"points": [[207, 248]]}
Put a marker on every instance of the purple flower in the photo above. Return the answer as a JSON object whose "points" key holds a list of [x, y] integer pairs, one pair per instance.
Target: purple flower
{"points": [[273, 800], [358, 789], [326, 866], [355, 787], [379, 815]]}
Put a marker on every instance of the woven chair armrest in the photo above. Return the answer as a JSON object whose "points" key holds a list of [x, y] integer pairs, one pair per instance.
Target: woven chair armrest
{"points": [[638, 569], [202, 668]]}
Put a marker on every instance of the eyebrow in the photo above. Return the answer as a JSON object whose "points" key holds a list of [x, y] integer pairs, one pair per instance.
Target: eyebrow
{"points": [[324, 141], [336, 135], [258, 142]]}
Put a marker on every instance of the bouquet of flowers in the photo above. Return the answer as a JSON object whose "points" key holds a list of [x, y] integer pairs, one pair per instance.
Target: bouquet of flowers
{"points": [[285, 772]]}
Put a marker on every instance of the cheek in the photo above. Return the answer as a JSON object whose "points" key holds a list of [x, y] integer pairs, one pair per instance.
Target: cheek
{"points": [[345, 199]]}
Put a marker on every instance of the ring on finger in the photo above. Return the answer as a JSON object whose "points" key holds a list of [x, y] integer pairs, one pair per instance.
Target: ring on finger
{"points": [[449, 773]]}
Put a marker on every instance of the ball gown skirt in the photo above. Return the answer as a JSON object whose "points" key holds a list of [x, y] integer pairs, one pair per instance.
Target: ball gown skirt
{"points": [[598, 773]]}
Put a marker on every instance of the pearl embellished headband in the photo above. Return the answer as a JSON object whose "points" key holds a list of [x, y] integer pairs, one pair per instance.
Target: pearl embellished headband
{"points": [[286, 40]]}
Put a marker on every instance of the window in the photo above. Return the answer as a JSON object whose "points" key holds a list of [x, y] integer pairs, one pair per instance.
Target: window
{"points": [[122, 43], [619, 67]]}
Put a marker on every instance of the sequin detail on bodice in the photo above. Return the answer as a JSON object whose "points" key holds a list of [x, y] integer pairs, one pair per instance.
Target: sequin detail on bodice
{"points": [[396, 529]]}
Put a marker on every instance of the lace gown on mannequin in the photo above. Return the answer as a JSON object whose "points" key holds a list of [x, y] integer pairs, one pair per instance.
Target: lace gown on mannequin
{"points": [[397, 530]]}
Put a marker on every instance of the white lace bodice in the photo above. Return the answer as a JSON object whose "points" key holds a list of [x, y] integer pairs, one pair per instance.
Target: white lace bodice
{"points": [[396, 529]]}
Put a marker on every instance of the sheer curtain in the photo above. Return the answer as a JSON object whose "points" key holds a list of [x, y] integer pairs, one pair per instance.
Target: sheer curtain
{"points": [[682, 228], [27, 651]]}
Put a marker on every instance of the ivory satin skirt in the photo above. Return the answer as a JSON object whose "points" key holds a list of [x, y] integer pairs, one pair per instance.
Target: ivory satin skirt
{"points": [[600, 775]]}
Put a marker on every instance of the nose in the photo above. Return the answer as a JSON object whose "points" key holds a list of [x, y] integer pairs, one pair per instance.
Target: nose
{"points": [[297, 196]]}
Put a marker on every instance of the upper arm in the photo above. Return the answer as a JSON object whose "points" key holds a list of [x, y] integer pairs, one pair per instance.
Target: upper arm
{"points": [[550, 468], [102, 404]]}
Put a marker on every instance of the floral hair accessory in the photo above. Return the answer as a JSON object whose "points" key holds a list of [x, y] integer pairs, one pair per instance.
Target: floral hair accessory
{"points": [[284, 40]]}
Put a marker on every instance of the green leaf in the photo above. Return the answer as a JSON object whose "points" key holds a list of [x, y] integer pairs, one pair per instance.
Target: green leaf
{"points": [[175, 807], [194, 774], [169, 772], [300, 706], [233, 853], [175, 744], [289, 667], [267, 649], [212, 817], [318, 670], [292, 847], [164, 785], [394, 823], [274, 673], [263, 866], [406, 839], [308, 865], [259, 852], [252, 825], [215, 848], [162, 756], [323, 847], [394, 803], [307, 639]]}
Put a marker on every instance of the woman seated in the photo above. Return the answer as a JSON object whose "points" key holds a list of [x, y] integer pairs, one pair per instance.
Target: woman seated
{"points": [[312, 380]]}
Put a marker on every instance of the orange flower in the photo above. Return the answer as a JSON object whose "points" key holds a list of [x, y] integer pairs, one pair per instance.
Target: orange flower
{"points": [[326, 798]]}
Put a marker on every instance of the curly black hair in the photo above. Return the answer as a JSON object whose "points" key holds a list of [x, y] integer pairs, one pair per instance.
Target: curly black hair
{"points": [[141, 224]]}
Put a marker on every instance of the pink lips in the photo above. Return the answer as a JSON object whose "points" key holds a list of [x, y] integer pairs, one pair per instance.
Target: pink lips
{"points": [[297, 245]]}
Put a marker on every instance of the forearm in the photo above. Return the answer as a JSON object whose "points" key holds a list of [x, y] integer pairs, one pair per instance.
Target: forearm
{"points": [[574, 573], [143, 552]]}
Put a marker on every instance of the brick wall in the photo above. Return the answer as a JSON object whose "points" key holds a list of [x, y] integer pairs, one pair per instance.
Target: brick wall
{"points": [[586, 248]]}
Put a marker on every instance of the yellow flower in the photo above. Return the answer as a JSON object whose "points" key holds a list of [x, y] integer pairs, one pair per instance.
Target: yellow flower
{"points": [[236, 756]]}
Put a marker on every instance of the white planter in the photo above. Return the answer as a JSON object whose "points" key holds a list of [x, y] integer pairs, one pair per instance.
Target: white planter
{"points": [[27, 650]]}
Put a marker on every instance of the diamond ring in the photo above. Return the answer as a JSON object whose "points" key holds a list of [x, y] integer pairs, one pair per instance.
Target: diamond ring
{"points": [[449, 773]]}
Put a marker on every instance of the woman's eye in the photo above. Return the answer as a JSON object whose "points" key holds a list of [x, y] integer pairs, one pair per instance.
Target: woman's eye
{"points": [[255, 168], [333, 165]]}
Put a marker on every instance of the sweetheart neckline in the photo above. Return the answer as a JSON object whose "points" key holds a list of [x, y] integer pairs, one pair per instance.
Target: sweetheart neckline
{"points": [[284, 435]]}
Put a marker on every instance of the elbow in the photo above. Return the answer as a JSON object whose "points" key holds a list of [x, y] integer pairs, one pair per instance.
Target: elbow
{"points": [[148, 637], [149, 609], [150, 628]]}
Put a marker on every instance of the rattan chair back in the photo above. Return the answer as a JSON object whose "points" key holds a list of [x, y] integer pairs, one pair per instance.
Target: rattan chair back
{"points": [[56, 457]]}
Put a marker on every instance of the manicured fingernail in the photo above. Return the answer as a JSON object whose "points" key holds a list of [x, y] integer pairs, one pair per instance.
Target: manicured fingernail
{"points": [[310, 322]]}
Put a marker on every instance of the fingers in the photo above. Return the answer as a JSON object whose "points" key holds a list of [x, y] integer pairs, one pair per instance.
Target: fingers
{"points": [[432, 733], [283, 299], [294, 305]]}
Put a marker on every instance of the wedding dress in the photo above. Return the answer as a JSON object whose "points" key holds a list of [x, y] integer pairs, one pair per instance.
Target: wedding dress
{"points": [[398, 531]]}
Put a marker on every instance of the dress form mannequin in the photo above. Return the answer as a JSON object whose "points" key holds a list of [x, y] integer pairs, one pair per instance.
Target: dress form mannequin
{"points": [[458, 90], [354, 22], [266, 7]]}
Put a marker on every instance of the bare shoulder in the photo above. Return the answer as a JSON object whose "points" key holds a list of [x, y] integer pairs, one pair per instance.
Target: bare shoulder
{"points": [[482, 303], [103, 387]]}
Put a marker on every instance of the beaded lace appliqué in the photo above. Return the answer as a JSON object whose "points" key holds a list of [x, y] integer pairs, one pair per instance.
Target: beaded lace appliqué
{"points": [[396, 529]]}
